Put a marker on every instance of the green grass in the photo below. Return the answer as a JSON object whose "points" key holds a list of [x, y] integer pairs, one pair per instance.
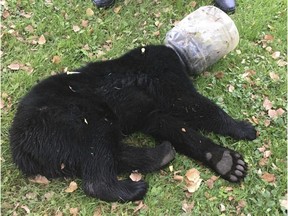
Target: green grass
{"points": [[112, 34]]}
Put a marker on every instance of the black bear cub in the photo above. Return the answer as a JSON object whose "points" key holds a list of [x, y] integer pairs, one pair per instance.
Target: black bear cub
{"points": [[72, 124]]}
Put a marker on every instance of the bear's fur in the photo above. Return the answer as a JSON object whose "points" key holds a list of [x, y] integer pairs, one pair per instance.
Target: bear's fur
{"points": [[72, 124]]}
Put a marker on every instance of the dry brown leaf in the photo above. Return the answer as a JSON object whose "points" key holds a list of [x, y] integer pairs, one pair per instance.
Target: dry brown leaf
{"points": [[231, 88], [157, 33], [5, 14], [72, 187], [89, 12], [41, 40], [280, 112], [266, 122], [193, 175], [275, 55], [240, 206], [117, 9], [76, 28], [25, 208], [193, 4], [263, 161], [267, 154], [140, 206], [49, 195], [14, 66], [267, 104], [56, 59], [74, 211], [210, 183], [261, 149], [178, 178], [31, 195], [222, 207], [135, 176], [281, 63], [39, 179], [98, 212], [187, 208], [219, 75], [274, 76], [29, 28], [192, 180], [275, 113], [268, 177], [268, 37], [84, 23], [58, 213]]}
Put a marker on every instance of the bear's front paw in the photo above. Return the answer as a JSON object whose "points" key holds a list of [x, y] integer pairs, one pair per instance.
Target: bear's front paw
{"points": [[229, 164], [245, 131]]}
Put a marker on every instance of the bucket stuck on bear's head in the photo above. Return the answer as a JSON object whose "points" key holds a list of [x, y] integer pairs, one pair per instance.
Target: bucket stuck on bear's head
{"points": [[203, 37]]}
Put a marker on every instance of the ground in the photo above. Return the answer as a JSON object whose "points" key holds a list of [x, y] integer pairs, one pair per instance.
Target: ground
{"points": [[39, 39]]}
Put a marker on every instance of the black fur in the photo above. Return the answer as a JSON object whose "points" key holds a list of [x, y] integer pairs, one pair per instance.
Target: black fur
{"points": [[78, 121]]}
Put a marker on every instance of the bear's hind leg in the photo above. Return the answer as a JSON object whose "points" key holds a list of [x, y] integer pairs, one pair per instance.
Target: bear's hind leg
{"points": [[100, 180], [145, 159]]}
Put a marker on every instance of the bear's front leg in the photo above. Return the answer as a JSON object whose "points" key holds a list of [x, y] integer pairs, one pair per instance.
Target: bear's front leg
{"points": [[227, 163]]}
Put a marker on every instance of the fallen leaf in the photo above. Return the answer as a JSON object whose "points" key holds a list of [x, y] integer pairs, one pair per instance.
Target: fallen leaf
{"points": [[284, 202], [280, 112], [193, 175], [267, 104], [281, 63], [62, 166], [56, 59], [84, 23], [14, 66], [72, 187], [219, 75], [266, 122], [76, 28], [268, 37], [157, 33], [5, 14], [255, 120], [267, 154], [41, 40], [29, 28], [117, 9], [231, 88], [25, 208], [193, 4], [222, 207], [192, 180], [74, 211], [140, 206], [210, 183], [58, 213], [268, 177], [187, 208], [240, 206], [89, 12], [263, 161], [49, 195], [275, 113], [178, 178], [39, 179], [98, 212], [135, 176], [261, 149], [31, 195], [276, 55], [274, 76]]}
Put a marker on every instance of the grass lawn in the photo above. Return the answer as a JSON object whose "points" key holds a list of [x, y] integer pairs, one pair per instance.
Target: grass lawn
{"points": [[40, 38]]}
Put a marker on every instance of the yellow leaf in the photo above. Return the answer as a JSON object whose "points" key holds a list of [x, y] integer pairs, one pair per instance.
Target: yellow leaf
{"points": [[89, 12], [56, 59], [76, 28], [72, 187], [117, 9], [41, 40], [39, 179], [14, 66]]}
